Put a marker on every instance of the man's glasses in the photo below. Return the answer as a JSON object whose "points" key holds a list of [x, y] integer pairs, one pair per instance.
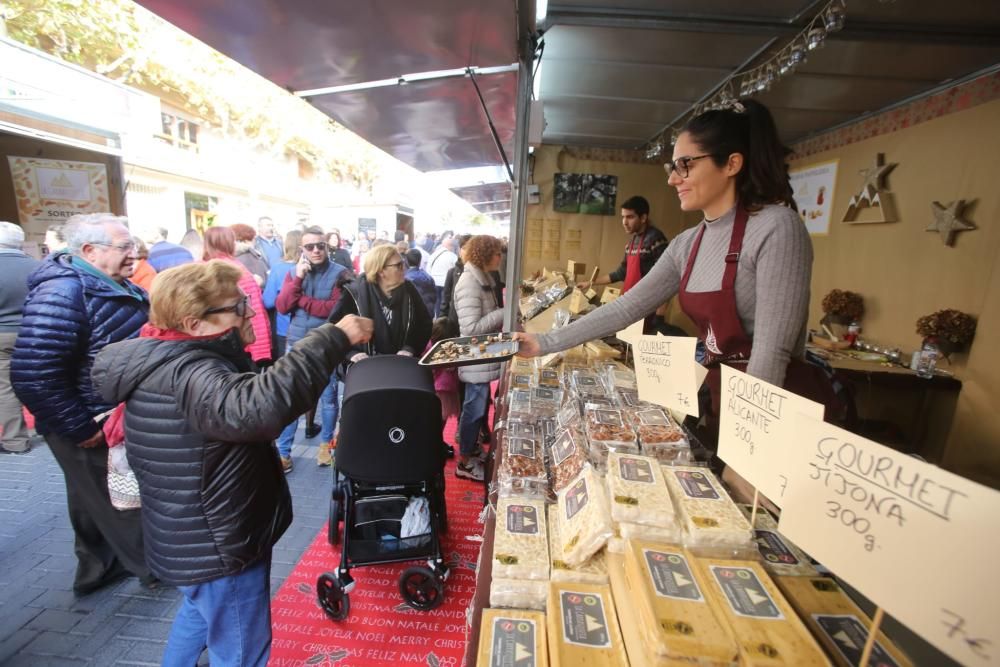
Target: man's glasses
{"points": [[120, 247], [314, 246], [682, 165], [239, 308]]}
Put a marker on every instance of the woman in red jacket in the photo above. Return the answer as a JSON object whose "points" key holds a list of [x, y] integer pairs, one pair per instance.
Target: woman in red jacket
{"points": [[220, 243]]}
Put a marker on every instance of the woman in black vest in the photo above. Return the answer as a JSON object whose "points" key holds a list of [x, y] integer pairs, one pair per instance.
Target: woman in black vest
{"points": [[382, 293]]}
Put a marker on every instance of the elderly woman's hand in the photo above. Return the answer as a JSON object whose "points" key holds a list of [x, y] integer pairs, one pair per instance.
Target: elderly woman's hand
{"points": [[528, 344], [358, 329]]}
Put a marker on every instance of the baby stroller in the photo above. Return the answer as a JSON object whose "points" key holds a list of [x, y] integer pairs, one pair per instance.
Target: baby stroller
{"points": [[389, 452]]}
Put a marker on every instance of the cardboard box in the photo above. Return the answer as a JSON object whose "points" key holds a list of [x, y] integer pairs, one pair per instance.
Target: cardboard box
{"points": [[575, 268]]}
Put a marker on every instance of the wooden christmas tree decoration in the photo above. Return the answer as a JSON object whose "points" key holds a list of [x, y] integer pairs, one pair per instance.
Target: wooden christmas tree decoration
{"points": [[948, 222], [873, 194]]}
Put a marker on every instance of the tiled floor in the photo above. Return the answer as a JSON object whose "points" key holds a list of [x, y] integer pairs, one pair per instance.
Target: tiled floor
{"points": [[43, 623]]}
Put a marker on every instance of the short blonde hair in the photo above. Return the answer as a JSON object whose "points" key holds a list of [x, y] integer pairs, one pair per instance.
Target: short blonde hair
{"points": [[377, 258], [189, 290]]}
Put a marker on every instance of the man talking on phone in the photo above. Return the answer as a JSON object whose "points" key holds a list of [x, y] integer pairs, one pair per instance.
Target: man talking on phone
{"points": [[308, 296]]}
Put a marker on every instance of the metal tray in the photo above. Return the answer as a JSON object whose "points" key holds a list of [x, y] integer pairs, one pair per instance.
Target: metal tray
{"points": [[501, 351]]}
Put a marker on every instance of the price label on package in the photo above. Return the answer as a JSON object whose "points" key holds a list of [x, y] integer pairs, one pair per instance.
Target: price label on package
{"points": [[666, 372], [917, 540], [757, 427]]}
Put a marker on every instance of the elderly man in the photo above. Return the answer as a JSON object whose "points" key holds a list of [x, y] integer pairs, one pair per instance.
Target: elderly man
{"points": [[15, 266], [78, 302], [199, 426], [268, 243]]}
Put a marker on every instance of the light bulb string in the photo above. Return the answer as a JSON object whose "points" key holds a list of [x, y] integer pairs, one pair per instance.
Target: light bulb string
{"points": [[762, 76]]}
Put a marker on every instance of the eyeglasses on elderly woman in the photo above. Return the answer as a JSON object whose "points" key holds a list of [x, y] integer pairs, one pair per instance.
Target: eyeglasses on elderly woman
{"points": [[239, 308]]}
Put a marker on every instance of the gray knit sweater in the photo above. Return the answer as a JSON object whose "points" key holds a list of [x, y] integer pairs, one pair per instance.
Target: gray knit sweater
{"points": [[772, 288]]}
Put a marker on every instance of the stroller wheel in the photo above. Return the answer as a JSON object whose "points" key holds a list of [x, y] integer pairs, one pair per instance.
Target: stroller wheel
{"points": [[333, 528], [421, 588], [331, 597]]}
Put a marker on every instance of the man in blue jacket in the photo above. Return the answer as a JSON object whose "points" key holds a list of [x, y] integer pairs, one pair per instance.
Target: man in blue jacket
{"points": [[78, 302]]}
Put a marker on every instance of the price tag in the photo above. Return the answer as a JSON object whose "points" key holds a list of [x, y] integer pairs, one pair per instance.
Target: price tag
{"points": [[917, 540], [666, 372], [757, 428], [631, 333]]}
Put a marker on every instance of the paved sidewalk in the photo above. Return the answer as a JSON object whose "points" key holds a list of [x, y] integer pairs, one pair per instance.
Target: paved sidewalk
{"points": [[43, 623]]}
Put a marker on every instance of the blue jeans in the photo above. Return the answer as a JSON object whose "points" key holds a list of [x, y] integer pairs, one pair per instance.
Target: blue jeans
{"points": [[438, 298], [329, 410], [230, 615], [473, 413]]}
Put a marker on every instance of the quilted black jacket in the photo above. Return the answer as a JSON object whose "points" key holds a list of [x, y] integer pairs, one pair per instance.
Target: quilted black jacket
{"points": [[199, 427], [68, 317]]}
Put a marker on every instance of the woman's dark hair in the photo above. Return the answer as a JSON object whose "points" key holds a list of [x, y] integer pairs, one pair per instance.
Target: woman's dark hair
{"points": [[747, 128], [443, 328]]}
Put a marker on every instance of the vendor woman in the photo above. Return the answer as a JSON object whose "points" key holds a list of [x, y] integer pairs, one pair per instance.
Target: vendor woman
{"points": [[742, 274]]}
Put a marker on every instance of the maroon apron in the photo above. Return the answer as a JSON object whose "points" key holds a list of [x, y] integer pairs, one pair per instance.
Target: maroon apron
{"points": [[633, 264], [720, 329], [633, 274]]}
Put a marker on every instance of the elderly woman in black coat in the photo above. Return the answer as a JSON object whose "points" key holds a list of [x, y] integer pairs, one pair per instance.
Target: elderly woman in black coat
{"points": [[199, 431]]}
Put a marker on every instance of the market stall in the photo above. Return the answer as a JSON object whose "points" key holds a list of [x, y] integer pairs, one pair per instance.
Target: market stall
{"points": [[598, 495]]}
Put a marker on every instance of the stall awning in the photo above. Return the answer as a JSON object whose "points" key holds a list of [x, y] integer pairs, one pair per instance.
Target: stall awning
{"points": [[431, 124]]}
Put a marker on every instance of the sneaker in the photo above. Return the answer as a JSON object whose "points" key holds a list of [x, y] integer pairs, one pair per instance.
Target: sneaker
{"points": [[472, 470], [286, 464], [324, 456]]}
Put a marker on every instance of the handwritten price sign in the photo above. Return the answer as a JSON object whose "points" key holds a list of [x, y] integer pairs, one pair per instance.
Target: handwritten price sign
{"points": [[665, 371], [757, 427], [919, 541]]}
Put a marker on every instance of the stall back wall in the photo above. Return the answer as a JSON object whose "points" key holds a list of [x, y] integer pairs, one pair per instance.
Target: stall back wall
{"points": [[602, 239], [905, 272]]}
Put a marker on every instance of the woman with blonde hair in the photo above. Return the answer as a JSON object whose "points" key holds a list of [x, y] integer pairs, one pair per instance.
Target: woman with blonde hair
{"points": [[200, 429], [220, 243], [382, 293]]}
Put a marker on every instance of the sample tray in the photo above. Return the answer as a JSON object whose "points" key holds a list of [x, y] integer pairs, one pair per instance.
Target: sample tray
{"points": [[499, 347]]}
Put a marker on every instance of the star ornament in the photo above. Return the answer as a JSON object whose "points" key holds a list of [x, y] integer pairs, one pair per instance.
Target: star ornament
{"points": [[874, 180], [948, 221], [873, 193]]}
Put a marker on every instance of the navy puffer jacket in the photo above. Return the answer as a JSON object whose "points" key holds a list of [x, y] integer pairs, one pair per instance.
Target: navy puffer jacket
{"points": [[69, 316], [199, 427]]}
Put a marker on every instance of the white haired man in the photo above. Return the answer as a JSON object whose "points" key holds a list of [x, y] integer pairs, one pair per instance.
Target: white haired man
{"points": [[79, 301]]}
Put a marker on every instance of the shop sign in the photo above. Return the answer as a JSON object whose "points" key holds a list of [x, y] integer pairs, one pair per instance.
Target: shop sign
{"points": [[666, 372], [917, 540], [51, 191], [757, 428]]}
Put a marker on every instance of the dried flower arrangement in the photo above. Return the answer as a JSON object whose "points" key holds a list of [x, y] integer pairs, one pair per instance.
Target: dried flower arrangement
{"points": [[949, 325], [844, 305]]}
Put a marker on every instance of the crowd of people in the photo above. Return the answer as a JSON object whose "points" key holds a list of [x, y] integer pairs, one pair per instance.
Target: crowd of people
{"points": [[200, 357]]}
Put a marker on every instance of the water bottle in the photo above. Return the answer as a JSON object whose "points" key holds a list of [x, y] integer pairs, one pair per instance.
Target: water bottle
{"points": [[928, 360]]}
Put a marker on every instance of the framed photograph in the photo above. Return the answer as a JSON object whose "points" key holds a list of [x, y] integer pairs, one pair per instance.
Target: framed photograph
{"points": [[592, 194]]}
